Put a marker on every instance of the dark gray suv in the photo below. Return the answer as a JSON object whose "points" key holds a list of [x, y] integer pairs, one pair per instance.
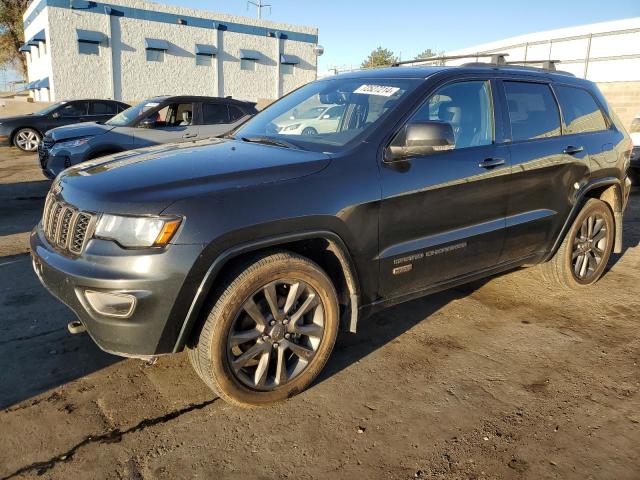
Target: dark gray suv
{"points": [[250, 251]]}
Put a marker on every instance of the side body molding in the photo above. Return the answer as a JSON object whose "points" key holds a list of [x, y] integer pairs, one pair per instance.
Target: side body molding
{"points": [[336, 246]]}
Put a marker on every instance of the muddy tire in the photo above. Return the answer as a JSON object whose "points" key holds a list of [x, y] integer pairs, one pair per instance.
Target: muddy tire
{"points": [[270, 332], [584, 253]]}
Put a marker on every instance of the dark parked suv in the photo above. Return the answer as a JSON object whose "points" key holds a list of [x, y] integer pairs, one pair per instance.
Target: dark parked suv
{"points": [[250, 251]]}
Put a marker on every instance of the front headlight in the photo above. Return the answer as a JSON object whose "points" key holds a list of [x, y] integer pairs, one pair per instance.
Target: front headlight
{"points": [[74, 143], [295, 126], [137, 232]]}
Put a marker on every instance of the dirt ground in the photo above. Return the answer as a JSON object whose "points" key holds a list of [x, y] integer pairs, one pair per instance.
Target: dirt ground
{"points": [[503, 378]]}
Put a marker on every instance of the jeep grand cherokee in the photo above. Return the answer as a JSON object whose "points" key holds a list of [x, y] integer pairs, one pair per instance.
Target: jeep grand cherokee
{"points": [[250, 251]]}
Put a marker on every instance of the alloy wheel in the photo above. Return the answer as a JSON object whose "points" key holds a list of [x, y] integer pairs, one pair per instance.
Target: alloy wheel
{"points": [[276, 334], [27, 140], [589, 247]]}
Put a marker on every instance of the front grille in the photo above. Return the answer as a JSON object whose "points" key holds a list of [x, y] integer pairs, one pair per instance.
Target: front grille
{"points": [[65, 226], [43, 150]]}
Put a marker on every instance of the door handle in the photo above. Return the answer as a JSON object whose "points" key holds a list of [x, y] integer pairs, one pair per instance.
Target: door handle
{"points": [[190, 135], [491, 162], [572, 150]]}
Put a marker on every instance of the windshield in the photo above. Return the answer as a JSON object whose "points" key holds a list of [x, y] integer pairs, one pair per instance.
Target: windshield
{"points": [[132, 114], [364, 103], [50, 108]]}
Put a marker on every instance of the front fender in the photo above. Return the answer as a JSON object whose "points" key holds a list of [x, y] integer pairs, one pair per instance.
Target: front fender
{"points": [[220, 259]]}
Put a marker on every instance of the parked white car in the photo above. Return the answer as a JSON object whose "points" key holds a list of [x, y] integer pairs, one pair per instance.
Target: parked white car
{"points": [[634, 169], [321, 119]]}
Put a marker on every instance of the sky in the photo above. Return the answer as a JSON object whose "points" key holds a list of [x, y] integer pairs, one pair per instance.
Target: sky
{"points": [[350, 29]]}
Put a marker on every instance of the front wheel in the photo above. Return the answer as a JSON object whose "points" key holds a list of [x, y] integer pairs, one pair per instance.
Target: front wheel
{"points": [[27, 139], [583, 255], [309, 131], [270, 332]]}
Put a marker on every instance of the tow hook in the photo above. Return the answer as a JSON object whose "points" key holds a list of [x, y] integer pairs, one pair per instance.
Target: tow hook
{"points": [[76, 327]]}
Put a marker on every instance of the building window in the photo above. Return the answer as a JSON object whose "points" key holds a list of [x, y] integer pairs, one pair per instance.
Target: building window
{"points": [[88, 48], [247, 64], [154, 55], [204, 60], [286, 69]]}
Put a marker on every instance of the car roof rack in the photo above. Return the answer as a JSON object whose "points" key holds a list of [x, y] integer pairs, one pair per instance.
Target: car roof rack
{"points": [[496, 60]]}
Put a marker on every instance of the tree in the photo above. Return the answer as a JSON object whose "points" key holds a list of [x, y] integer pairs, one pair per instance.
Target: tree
{"points": [[426, 54], [430, 53], [12, 34], [380, 57]]}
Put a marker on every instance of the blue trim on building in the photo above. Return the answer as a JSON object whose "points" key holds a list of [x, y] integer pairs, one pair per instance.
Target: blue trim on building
{"points": [[90, 36], [289, 59], [209, 50], [163, 17], [155, 44], [250, 55]]}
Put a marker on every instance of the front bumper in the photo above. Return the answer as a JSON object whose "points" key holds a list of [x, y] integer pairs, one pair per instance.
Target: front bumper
{"points": [[153, 277]]}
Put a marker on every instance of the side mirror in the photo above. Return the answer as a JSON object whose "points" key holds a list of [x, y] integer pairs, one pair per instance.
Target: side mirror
{"points": [[55, 115], [421, 139], [147, 123]]}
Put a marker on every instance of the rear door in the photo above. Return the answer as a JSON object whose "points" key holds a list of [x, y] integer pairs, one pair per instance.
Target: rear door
{"points": [[443, 215], [172, 123], [214, 119], [102, 111], [544, 169]]}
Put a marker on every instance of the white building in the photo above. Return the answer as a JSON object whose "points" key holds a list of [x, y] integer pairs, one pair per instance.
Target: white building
{"points": [[131, 50], [607, 53]]}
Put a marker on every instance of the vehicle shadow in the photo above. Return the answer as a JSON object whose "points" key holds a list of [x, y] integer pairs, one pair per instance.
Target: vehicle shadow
{"points": [[21, 205], [37, 351]]}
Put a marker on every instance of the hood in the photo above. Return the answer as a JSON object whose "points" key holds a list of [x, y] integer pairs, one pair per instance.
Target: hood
{"points": [[16, 119], [149, 180], [77, 130]]}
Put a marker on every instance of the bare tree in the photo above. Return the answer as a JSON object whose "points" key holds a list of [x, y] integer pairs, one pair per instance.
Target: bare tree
{"points": [[12, 34]]}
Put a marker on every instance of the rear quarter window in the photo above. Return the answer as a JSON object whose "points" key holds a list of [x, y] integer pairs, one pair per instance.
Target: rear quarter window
{"points": [[580, 111], [533, 112]]}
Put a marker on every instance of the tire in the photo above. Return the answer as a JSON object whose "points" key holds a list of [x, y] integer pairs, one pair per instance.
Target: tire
{"points": [[309, 131], [567, 268], [259, 358], [27, 139]]}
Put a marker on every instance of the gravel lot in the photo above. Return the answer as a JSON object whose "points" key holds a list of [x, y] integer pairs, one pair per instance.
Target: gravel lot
{"points": [[503, 378]]}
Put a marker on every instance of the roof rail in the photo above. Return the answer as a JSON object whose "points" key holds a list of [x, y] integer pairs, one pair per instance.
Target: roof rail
{"points": [[495, 58]]}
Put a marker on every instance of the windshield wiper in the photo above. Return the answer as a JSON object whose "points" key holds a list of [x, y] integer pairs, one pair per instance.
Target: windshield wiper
{"points": [[268, 141]]}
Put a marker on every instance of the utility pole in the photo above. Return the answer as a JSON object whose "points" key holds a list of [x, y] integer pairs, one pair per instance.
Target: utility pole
{"points": [[259, 5]]}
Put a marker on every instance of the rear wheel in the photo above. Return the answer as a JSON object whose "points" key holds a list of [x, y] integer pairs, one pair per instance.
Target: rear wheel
{"points": [[585, 251], [27, 139], [270, 332], [309, 131]]}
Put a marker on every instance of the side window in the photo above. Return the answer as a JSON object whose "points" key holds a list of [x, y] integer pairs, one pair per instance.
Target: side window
{"points": [[102, 108], [467, 107], [580, 111], [334, 112], [170, 116], [235, 113], [76, 109], [533, 111], [214, 113]]}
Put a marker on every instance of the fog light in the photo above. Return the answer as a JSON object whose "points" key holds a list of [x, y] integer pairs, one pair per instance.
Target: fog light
{"points": [[118, 305]]}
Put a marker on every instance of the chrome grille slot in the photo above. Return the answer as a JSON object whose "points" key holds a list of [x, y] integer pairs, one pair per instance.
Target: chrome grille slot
{"points": [[80, 232], [65, 227]]}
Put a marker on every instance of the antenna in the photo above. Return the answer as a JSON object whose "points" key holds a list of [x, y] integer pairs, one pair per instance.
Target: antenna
{"points": [[259, 5]]}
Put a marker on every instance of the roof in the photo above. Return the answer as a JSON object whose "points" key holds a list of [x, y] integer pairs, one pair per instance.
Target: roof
{"points": [[424, 72], [197, 98]]}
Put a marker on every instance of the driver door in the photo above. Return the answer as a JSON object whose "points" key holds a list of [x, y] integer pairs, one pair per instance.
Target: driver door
{"points": [[172, 123], [68, 114], [443, 214]]}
